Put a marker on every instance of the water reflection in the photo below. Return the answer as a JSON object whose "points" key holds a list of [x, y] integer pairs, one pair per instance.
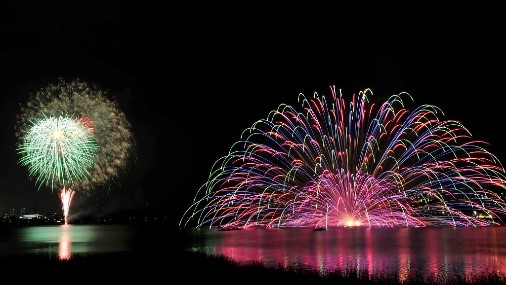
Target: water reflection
{"points": [[65, 245], [439, 253], [67, 241]]}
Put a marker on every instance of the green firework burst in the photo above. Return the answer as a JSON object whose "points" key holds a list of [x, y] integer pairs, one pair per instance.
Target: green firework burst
{"points": [[58, 151]]}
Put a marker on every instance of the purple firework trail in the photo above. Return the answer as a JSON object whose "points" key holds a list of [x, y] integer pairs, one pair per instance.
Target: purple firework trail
{"points": [[339, 163]]}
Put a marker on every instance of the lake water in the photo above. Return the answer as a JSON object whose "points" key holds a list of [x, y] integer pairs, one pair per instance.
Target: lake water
{"points": [[441, 253], [65, 241], [115, 254]]}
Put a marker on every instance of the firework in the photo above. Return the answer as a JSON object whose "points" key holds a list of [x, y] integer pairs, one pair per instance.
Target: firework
{"points": [[58, 151], [339, 163], [71, 136], [66, 196]]}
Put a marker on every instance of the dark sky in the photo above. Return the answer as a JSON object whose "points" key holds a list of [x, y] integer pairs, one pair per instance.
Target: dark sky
{"points": [[190, 89]]}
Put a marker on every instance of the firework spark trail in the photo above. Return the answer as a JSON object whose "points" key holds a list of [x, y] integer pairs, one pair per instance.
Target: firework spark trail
{"points": [[339, 163], [66, 196], [71, 136]]}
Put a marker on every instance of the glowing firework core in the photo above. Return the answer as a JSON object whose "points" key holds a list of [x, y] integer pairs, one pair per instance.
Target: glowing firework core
{"points": [[351, 222]]}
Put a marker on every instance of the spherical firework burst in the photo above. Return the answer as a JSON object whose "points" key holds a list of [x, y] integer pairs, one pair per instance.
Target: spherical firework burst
{"points": [[71, 136], [338, 163], [58, 151]]}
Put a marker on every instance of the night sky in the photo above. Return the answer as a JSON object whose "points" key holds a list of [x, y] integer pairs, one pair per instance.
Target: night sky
{"points": [[190, 89]]}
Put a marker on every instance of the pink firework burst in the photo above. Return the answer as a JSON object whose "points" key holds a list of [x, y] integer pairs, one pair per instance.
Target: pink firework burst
{"points": [[334, 162]]}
